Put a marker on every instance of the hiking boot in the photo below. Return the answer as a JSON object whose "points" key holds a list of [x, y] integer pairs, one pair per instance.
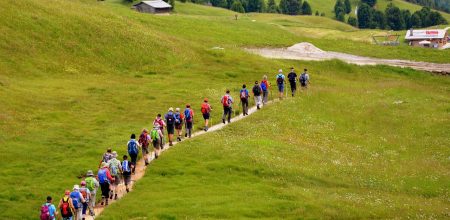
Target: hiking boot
{"points": [[178, 139], [106, 202], [102, 203], [146, 163], [257, 107], [115, 197], [223, 120], [110, 195], [170, 144], [128, 190], [185, 135]]}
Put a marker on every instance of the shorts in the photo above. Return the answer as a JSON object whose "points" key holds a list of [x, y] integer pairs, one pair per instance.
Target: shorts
{"points": [[116, 180], [304, 84], [179, 126], [126, 178], [156, 143], [206, 116], [189, 124], [145, 150], [170, 129], [280, 87], [105, 189]]}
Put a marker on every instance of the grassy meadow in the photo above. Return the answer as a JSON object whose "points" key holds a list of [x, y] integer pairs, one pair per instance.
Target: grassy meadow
{"points": [[79, 76]]}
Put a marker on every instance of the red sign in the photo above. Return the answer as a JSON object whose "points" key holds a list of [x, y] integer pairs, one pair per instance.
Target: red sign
{"points": [[432, 32]]}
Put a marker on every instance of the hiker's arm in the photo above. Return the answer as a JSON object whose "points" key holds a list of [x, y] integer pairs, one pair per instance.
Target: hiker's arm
{"points": [[83, 200], [60, 203], [71, 205]]}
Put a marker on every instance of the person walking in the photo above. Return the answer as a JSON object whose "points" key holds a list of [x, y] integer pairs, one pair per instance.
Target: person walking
{"points": [[170, 122], [304, 79], [265, 89], [179, 119], [227, 102], [106, 157], [144, 141], [66, 206], [86, 193], [104, 179], [292, 77], [48, 210], [92, 184], [257, 94], [133, 150], [115, 168], [280, 83], [155, 135], [160, 122], [126, 172], [244, 99], [77, 200], [206, 109], [189, 118]]}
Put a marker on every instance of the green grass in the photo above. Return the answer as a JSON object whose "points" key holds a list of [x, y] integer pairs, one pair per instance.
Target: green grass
{"points": [[77, 77], [346, 151]]}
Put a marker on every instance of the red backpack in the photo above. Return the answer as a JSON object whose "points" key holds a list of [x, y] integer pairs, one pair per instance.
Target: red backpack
{"points": [[226, 101], [45, 214], [143, 139], [84, 194], [205, 108], [65, 208]]}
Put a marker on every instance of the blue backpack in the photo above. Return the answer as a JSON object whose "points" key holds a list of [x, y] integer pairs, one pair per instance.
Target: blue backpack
{"points": [[263, 87], [102, 178], [126, 166], [177, 118], [132, 147], [76, 199], [187, 114]]}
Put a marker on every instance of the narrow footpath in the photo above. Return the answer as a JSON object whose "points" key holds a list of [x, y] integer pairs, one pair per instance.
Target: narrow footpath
{"points": [[140, 166]]}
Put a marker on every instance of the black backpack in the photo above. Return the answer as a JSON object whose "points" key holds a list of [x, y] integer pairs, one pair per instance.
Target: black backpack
{"points": [[170, 119], [256, 90], [280, 80]]}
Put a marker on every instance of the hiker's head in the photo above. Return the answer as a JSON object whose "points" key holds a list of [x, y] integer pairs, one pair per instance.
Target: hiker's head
{"points": [[292, 68], [306, 70], [104, 164], [280, 71], [83, 183], [145, 130], [76, 187], [265, 77], [205, 100], [90, 173], [188, 105], [228, 91], [49, 199], [67, 192], [133, 136], [244, 86], [159, 116], [125, 157], [114, 154], [170, 109], [256, 82], [177, 109], [108, 150]]}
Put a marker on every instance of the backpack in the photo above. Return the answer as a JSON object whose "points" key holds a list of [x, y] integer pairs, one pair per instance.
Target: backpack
{"points": [[45, 214], [143, 140], [187, 114], [256, 90], [102, 178], [226, 101], [84, 193], [263, 86], [90, 184], [132, 147], [155, 135], [280, 79], [126, 166], [178, 119], [292, 76], [65, 208], [243, 94], [170, 119], [205, 108], [75, 196], [303, 78], [114, 168]]}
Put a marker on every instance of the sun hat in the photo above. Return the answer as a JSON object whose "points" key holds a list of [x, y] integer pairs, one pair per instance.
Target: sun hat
{"points": [[89, 173], [170, 109], [177, 109], [145, 130], [76, 187], [83, 183], [104, 164], [114, 153]]}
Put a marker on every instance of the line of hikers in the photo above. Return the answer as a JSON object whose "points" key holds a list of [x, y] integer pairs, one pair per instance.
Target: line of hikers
{"points": [[112, 171]]}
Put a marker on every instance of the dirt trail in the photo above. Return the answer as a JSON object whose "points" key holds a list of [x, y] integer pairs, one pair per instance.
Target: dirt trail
{"points": [[140, 167], [307, 51]]}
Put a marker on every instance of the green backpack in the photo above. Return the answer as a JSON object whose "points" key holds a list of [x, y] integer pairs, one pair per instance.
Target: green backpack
{"points": [[90, 183], [154, 134]]}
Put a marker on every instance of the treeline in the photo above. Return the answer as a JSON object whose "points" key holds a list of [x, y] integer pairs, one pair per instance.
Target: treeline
{"points": [[290, 7], [393, 18], [443, 5]]}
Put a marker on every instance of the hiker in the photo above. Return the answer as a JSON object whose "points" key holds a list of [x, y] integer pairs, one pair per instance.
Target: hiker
{"points": [[133, 150], [170, 121], [280, 83], [106, 157], [206, 109], [292, 77], [189, 118], [144, 141], [104, 178], [304, 79], [115, 168], [155, 136], [77, 200], [257, 94], [92, 184], [48, 210], [126, 172], [227, 102], [86, 193], [265, 89], [244, 99], [179, 118], [65, 206]]}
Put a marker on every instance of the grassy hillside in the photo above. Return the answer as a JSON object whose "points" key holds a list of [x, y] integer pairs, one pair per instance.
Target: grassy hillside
{"points": [[345, 151], [77, 77]]}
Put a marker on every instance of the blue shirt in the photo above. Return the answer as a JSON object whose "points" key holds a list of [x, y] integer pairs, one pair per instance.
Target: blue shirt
{"points": [[51, 210]]}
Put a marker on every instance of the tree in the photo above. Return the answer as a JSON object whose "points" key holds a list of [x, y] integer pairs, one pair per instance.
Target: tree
{"points": [[371, 3], [272, 7], [416, 22], [172, 2], [339, 10], [290, 7], [322, 14], [306, 8], [394, 18], [237, 6], [436, 18], [406, 14], [255, 6], [219, 3], [347, 6], [284, 6], [352, 21], [317, 13], [379, 20], [364, 16], [341, 17]]}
